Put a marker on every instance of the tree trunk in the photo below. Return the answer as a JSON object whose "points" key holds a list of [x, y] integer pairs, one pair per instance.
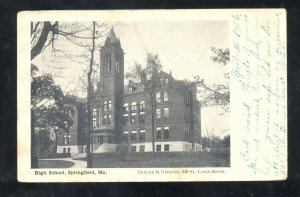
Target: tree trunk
{"points": [[38, 47], [89, 102], [55, 149], [152, 124], [34, 160]]}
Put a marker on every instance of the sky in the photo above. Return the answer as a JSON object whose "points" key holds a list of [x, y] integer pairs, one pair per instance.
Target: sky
{"points": [[183, 47]]}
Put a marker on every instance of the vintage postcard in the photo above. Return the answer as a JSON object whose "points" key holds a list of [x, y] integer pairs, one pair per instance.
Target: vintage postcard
{"points": [[152, 95]]}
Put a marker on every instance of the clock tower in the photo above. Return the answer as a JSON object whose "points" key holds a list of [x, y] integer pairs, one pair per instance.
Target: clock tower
{"points": [[110, 89]]}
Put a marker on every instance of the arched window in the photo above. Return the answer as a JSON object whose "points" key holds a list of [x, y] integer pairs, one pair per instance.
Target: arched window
{"points": [[125, 107], [133, 105], [142, 105]]}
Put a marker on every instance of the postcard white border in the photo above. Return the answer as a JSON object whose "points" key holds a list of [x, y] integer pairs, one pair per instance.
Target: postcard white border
{"points": [[239, 170]]}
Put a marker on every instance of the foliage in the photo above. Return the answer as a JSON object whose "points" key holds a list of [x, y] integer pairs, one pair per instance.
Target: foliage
{"points": [[43, 140], [221, 55], [215, 142], [216, 94], [47, 111], [148, 77]]}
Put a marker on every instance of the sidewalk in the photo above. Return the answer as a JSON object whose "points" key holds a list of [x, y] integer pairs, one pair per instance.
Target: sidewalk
{"points": [[77, 163]]}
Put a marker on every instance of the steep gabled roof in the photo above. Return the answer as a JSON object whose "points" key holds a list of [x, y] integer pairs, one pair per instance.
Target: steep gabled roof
{"points": [[112, 36]]}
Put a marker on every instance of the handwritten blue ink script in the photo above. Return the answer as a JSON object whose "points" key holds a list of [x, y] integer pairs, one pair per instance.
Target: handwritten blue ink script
{"points": [[259, 92]]}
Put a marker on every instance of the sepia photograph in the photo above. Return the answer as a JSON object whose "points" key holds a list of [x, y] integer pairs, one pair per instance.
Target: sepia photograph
{"points": [[134, 94]]}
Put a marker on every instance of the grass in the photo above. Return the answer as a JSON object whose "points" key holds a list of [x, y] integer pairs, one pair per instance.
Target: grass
{"points": [[162, 159], [54, 164]]}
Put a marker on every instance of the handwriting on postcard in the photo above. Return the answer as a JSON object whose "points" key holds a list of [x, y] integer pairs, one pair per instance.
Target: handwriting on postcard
{"points": [[259, 72]]}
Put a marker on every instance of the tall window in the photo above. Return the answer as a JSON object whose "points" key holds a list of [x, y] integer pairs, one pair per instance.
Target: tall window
{"points": [[107, 63], [69, 138], [133, 135], [158, 133], [158, 147], [158, 113], [125, 119], [142, 117], [166, 81], [125, 136], [187, 98], [133, 148], [142, 135], [104, 119], [142, 148], [109, 104], [166, 96], [187, 132], [133, 106], [142, 105], [65, 139], [109, 119], [94, 122], [117, 65], [158, 97], [125, 107], [166, 147], [99, 120], [105, 105], [166, 112], [94, 112], [166, 132], [133, 118]]}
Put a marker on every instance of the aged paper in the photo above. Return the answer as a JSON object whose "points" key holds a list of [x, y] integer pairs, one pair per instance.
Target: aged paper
{"points": [[174, 95]]}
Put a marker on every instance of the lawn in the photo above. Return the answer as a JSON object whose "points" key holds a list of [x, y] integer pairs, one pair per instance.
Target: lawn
{"points": [[162, 159], [54, 164]]}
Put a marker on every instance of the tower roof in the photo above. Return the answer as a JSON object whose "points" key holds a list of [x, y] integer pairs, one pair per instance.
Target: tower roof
{"points": [[112, 36]]}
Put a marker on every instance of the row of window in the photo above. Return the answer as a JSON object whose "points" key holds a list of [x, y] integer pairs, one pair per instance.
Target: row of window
{"points": [[161, 132], [107, 119], [107, 106], [162, 113], [67, 139], [133, 118], [108, 64], [164, 81], [134, 134], [133, 106], [65, 150], [165, 132], [158, 148], [162, 96]]}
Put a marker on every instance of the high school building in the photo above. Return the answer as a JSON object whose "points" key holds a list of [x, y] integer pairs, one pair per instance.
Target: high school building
{"points": [[123, 114]]}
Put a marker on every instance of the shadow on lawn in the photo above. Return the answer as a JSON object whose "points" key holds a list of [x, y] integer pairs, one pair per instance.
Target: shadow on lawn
{"points": [[54, 164], [161, 159]]}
